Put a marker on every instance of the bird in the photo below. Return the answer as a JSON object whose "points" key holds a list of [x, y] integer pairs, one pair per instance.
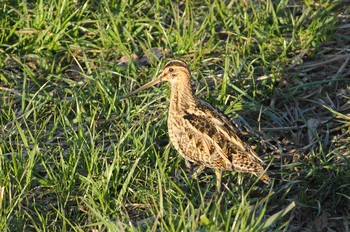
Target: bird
{"points": [[199, 132]]}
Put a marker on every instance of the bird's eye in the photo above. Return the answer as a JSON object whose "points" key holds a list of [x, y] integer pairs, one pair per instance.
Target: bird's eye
{"points": [[171, 70]]}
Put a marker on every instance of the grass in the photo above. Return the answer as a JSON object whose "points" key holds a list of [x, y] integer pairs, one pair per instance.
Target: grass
{"points": [[74, 156]]}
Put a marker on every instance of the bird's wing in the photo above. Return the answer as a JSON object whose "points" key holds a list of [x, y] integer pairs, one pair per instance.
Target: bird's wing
{"points": [[218, 129], [210, 144], [229, 130]]}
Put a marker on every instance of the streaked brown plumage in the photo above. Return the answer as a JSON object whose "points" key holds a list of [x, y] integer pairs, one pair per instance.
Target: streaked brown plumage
{"points": [[199, 132]]}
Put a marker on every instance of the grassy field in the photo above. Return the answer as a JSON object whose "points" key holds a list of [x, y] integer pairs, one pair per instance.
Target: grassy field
{"points": [[74, 156]]}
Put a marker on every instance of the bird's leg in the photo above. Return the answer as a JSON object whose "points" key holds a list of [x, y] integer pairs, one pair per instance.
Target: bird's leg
{"points": [[197, 171], [218, 174]]}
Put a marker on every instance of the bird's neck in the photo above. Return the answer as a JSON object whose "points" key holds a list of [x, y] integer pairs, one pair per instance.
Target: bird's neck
{"points": [[182, 97]]}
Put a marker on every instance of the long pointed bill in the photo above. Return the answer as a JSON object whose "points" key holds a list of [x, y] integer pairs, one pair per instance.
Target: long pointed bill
{"points": [[145, 86]]}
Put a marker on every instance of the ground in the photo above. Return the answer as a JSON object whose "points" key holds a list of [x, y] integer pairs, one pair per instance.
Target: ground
{"points": [[76, 156]]}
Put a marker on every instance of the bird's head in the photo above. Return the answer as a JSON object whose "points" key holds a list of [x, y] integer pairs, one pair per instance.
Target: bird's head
{"points": [[175, 71]]}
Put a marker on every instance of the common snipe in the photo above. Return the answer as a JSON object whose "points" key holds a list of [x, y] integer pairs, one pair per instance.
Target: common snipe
{"points": [[199, 132]]}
